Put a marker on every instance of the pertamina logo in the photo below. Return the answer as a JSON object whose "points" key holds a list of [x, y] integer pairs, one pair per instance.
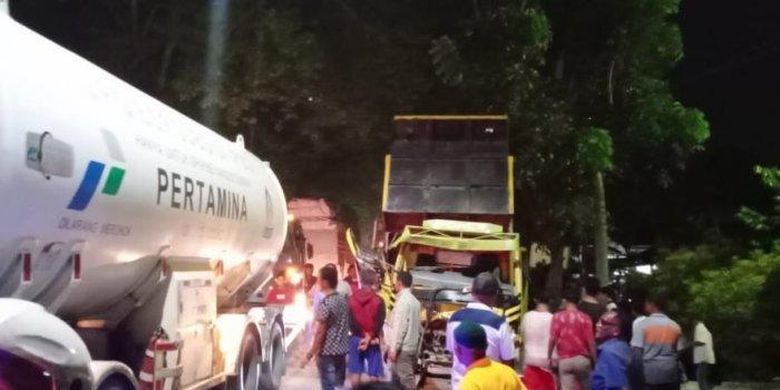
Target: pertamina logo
{"points": [[90, 182]]}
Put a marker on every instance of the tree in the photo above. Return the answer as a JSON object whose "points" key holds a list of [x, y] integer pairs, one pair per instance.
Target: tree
{"points": [[595, 155], [612, 59], [734, 289], [765, 224]]}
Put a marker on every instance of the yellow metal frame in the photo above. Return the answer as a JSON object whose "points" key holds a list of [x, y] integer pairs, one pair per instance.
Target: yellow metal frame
{"points": [[463, 241], [510, 182], [386, 182], [450, 117], [458, 240], [351, 242]]}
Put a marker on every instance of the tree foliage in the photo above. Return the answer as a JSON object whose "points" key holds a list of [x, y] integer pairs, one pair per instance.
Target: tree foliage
{"points": [[313, 85], [734, 290], [723, 294], [735, 293], [765, 223], [612, 60], [594, 150]]}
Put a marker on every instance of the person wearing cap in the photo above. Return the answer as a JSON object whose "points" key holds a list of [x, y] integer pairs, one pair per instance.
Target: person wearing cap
{"points": [[614, 355], [482, 373], [367, 318], [500, 336]]}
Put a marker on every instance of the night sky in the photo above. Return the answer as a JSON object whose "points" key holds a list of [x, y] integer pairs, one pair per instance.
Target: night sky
{"points": [[731, 70]]}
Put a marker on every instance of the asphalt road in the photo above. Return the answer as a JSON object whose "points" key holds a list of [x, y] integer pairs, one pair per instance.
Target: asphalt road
{"points": [[298, 378], [307, 378]]}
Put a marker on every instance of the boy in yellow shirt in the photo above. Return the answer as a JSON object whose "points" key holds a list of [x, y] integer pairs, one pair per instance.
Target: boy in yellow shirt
{"points": [[482, 373]]}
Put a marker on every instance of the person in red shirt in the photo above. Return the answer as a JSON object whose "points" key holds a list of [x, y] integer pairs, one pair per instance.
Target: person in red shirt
{"points": [[571, 335], [282, 291], [367, 318]]}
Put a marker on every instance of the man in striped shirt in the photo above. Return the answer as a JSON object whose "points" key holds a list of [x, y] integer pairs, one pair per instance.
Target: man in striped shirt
{"points": [[655, 345], [500, 336]]}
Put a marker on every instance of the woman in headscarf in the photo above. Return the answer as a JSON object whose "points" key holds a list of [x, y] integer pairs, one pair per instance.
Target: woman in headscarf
{"points": [[614, 355]]}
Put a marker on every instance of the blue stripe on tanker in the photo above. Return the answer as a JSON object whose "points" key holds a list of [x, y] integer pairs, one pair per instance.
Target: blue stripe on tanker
{"points": [[87, 187]]}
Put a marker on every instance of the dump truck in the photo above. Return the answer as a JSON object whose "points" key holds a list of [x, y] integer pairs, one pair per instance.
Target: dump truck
{"points": [[136, 245], [447, 215]]}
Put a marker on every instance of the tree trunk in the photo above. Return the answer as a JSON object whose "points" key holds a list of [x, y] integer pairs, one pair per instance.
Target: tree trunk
{"points": [[554, 283], [601, 239]]}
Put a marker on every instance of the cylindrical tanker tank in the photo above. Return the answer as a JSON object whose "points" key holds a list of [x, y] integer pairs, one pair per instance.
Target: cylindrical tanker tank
{"points": [[98, 181]]}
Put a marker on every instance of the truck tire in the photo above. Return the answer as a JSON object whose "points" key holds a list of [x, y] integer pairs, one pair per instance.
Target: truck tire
{"points": [[277, 360], [250, 363], [116, 382]]}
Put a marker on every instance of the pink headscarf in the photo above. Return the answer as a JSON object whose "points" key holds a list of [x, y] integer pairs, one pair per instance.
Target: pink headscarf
{"points": [[608, 326]]}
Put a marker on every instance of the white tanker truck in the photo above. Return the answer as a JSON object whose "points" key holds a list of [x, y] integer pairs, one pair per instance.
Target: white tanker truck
{"points": [[122, 221]]}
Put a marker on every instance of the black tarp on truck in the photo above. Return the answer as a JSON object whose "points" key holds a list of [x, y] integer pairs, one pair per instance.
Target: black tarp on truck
{"points": [[448, 166]]}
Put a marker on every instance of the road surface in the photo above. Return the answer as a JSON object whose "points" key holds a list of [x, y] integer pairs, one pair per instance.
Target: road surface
{"points": [[298, 378]]}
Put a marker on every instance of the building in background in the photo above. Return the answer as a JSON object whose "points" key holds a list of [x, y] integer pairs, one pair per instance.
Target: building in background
{"points": [[323, 230]]}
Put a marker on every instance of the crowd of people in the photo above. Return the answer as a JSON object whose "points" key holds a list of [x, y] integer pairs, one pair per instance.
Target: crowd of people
{"points": [[590, 342], [355, 340], [351, 340]]}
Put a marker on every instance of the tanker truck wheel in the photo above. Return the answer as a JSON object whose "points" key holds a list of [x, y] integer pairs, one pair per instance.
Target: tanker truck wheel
{"points": [[252, 374], [116, 382], [277, 360], [249, 369]]}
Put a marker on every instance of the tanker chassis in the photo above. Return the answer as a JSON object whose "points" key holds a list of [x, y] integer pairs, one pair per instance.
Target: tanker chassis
{"points": [[136, 245]]}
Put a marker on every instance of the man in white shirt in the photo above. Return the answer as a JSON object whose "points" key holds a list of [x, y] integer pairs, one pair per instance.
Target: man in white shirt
{"points": [[703, 355], [500, 336]]}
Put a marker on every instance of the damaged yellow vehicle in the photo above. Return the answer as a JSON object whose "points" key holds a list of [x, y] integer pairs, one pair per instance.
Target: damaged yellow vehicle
{"points": [[448, 215], [444, 256]]}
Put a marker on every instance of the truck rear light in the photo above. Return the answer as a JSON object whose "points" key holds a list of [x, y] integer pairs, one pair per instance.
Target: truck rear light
{"points": [[26, 267], [91, 324], [77, 266]]}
